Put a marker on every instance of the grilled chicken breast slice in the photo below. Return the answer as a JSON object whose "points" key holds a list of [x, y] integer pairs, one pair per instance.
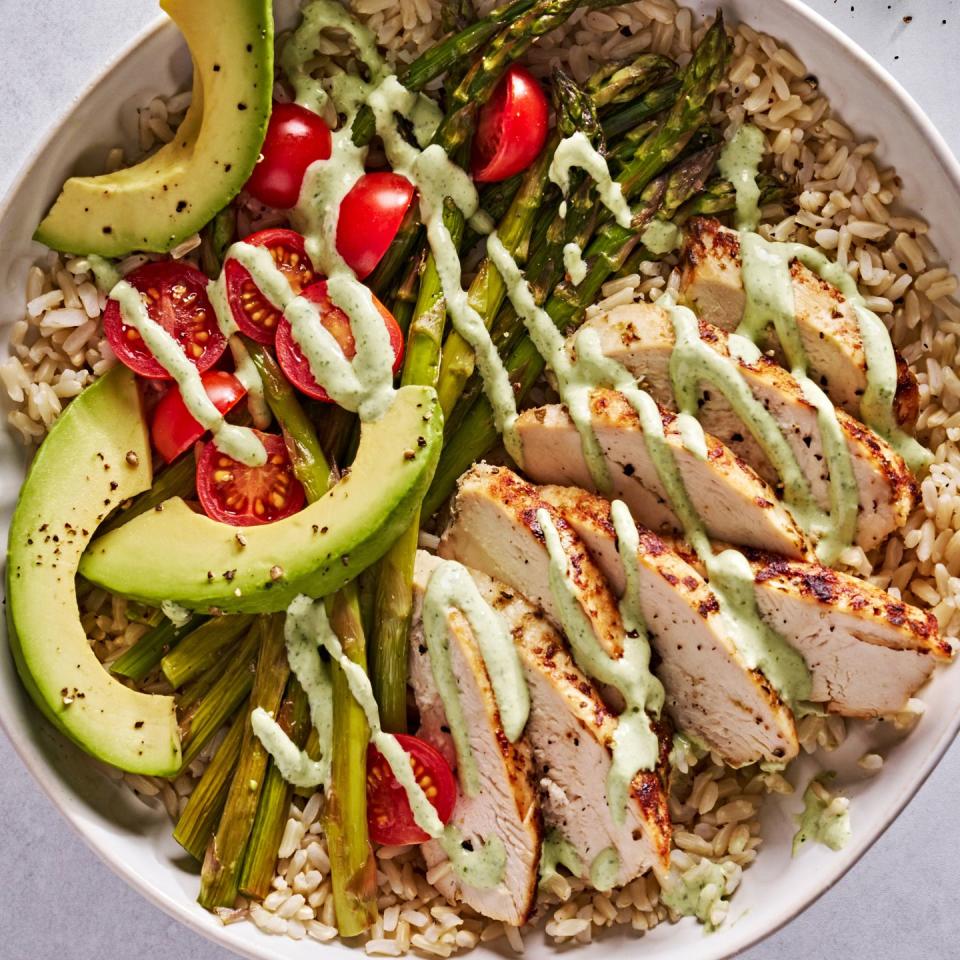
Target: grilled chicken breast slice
{"points": [[734, 503], [867, 652], [712, 284], [494, 529], [641, 337], [571, 732], [507, 805], [711, 693]]}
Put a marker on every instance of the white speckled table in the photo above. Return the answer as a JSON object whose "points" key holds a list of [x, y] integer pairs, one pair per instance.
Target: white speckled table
{"points": [[61, 901]]}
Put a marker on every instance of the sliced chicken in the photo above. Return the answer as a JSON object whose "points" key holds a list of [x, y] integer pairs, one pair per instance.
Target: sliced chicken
{"points": [[711, 693], [506, 805], [735, 504], [571, 732], [829, 329], [495, 530], [867, 652], [641, 337]]}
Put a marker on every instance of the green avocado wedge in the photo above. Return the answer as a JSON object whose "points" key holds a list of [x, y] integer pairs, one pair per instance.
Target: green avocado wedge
{"points": [[175, 554], [96, 455], [172, 194]]}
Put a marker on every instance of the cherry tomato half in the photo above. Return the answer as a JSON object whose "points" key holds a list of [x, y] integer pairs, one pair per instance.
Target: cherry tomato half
{"points": [[243, 496], [389, 817], [254, 314], [370, 215], [173, 428], [296, 366], [296, 137], [511, 127], [175, 295]]}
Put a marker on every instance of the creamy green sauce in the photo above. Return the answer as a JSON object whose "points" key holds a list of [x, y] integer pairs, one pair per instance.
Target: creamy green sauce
{"points": [[574, 264], [577, 151], [293, 764], [825, 818], [769, 298], [245, 370], [605, 869], [558, 851], [739, 163], [661, 237], [240, 443], [697, 892], [729, 573], [635, 746], [452, 588], [179, 616]]}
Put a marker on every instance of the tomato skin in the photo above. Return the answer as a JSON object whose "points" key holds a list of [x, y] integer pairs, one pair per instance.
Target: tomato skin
{"points": [[389, 817], [296, 137], [229, 491], [177, 300], [511, 127], [370, 215], [246, 302], [173, 428], [295, 365]]}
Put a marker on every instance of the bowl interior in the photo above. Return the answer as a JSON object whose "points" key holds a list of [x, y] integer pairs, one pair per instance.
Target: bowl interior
{"points": [[136, 841]]}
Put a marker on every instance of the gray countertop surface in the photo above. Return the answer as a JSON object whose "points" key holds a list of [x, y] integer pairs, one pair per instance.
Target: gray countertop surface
{"points": [[898, 903]]}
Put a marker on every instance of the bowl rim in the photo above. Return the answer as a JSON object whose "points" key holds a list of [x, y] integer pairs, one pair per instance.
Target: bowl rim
{"points": [[60, 795]]}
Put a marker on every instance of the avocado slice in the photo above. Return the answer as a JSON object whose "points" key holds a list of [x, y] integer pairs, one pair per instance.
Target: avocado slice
{"points": [[172, 194], [96, 455], [172, 553]]}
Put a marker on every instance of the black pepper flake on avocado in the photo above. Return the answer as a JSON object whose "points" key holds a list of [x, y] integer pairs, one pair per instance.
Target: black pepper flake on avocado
{"points": [[241, 106], [421, 441], [408, 454], [209, 574], [324, 529], [181, 206], [114, 484], [216, 68], [138, 724], [44, 527], [108, 230], [228, 575]]}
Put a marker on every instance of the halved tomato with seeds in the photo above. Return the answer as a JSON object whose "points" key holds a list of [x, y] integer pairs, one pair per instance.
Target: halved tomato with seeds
{"points": [[243, 496], [175, 295], [389, 817], [254, 314], [296, 366]]}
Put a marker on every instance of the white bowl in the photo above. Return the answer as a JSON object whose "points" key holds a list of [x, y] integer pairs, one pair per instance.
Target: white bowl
{"points": [[137, 843]]}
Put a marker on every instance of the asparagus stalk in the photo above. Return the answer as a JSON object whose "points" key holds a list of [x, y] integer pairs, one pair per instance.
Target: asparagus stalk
{"points": [[204, 648], [210, 713], [148, 651], [178, 480], [352, 866], [220, 875], [393, 602], [218, 234], [309, 463], [260, 861], [618, 122], [202, 813], [352, 869]]}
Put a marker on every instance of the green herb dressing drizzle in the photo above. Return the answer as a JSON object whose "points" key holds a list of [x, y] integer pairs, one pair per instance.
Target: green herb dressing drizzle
{"points": [[825, 821], [573, 263], [558, 851], [577, 151], [636, 746], [769, 297], [237, 442], [605, 869], [452, 588]]}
